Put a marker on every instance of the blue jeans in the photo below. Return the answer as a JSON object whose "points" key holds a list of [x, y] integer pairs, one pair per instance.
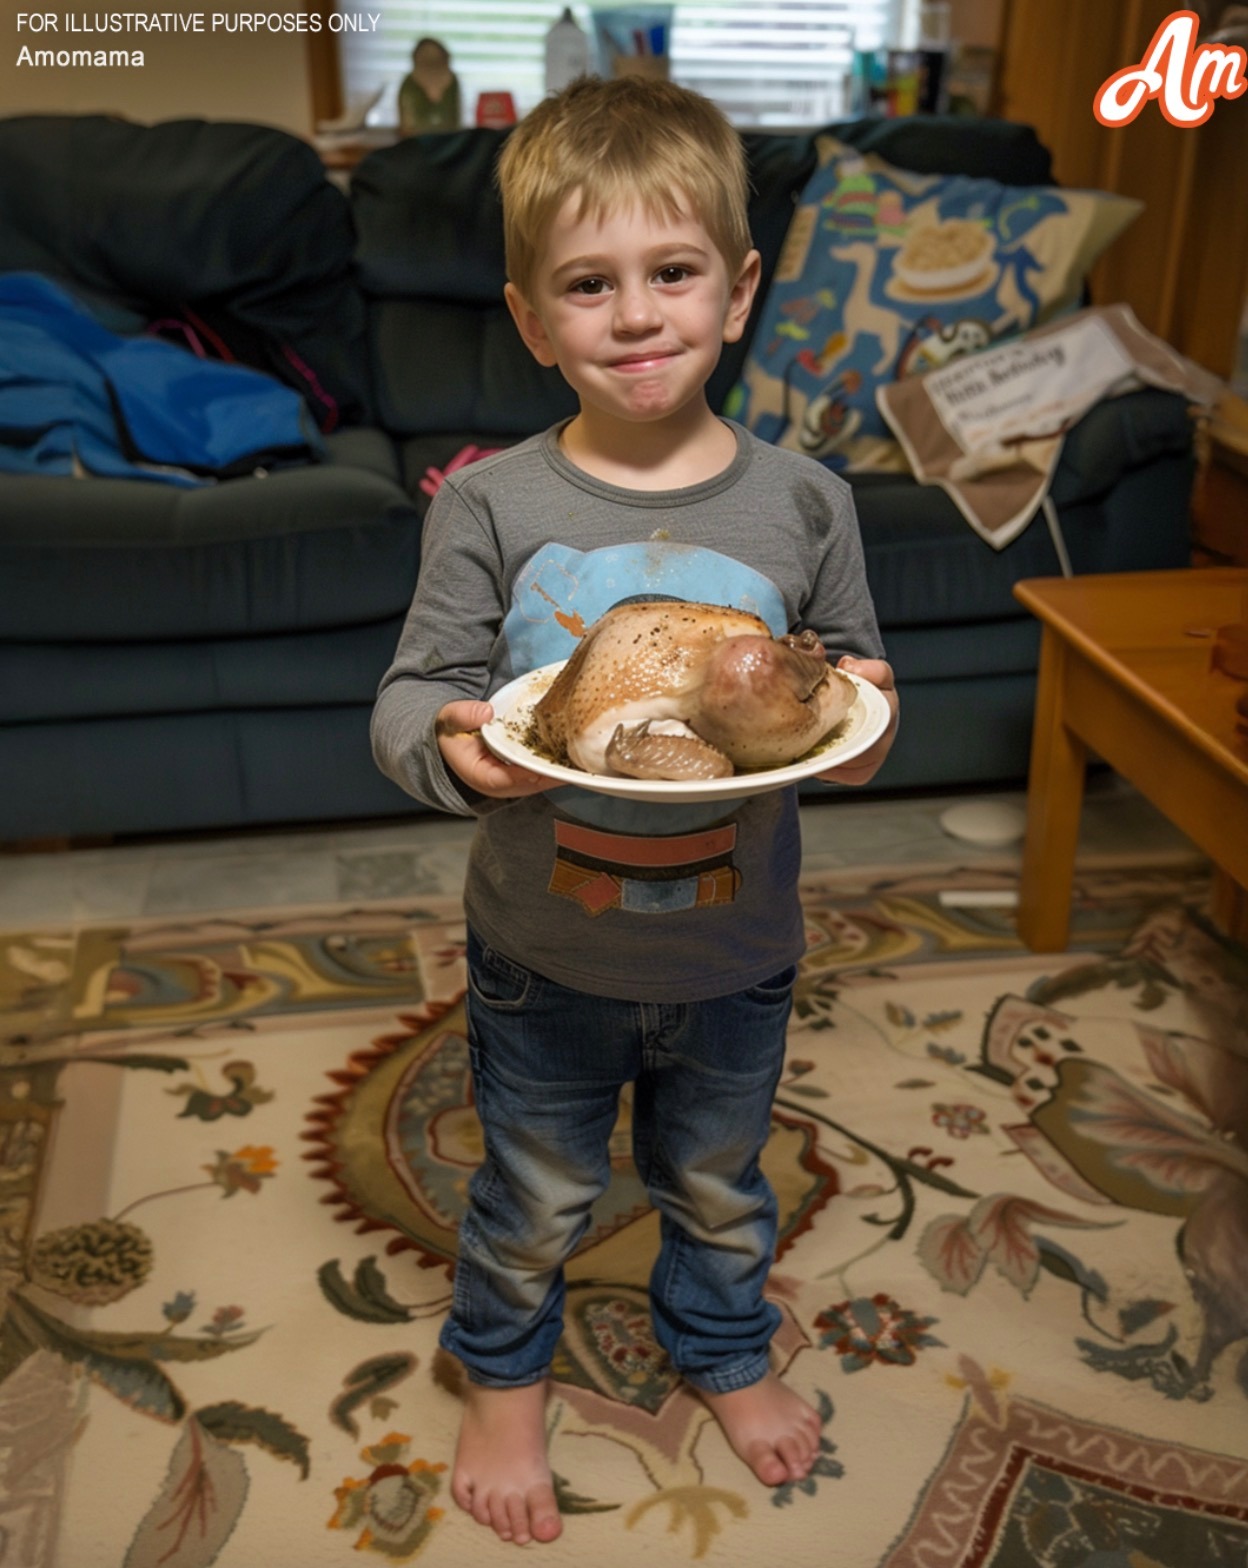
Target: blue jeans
{"points": [[548, 1065]]}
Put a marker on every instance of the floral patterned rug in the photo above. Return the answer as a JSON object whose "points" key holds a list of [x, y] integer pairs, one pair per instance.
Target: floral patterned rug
{"points": [[1013, 1263]]}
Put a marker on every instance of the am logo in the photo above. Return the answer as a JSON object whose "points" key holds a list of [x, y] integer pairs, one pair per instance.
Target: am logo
{"points": [[1185, 77]]}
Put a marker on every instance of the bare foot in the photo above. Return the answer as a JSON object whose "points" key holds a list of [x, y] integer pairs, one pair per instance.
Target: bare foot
{"points": [[501, 1475], [773, 1429]]}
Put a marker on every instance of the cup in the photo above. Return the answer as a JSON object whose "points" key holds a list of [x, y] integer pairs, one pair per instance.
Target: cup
{"points": [[634, 40]]}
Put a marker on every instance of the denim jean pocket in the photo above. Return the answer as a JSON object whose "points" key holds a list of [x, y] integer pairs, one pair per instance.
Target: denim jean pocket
{"points": [[776, 989], [497, 982]]}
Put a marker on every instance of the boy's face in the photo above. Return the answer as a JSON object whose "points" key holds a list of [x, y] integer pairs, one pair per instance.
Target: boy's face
{"points": [[634, 309]]}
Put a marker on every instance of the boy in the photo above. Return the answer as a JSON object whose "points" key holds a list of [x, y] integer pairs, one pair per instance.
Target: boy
{"points": [[613, 941]]}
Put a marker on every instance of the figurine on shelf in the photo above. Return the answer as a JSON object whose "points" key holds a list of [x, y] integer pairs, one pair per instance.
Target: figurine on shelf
{"points": [[429, 96]]}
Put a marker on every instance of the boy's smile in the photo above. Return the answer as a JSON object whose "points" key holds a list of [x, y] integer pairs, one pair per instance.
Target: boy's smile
{"points": [[634, 308]]}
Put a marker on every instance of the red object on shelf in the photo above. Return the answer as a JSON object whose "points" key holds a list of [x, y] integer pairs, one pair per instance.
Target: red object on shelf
{"points": [[496, 110]]}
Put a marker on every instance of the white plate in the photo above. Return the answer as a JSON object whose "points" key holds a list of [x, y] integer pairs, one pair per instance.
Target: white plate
{"points": [[513, 704]]}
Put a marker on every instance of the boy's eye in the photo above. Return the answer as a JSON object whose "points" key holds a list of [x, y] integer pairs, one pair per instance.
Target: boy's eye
{"points": [[673, 274], [589, 286]]}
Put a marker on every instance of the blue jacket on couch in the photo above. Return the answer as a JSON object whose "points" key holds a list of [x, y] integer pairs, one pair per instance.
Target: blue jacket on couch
{"points": [[75, 397]]}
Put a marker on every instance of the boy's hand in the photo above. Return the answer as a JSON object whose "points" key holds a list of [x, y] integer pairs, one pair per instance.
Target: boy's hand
{"points": [[458, 731], [865, 767]]}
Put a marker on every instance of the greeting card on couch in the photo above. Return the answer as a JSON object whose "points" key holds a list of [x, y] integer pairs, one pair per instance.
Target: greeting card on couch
{"points": [[887, 274]]}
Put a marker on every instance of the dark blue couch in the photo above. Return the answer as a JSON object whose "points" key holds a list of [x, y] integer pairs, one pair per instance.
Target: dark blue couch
{"points": [[174, 659]]}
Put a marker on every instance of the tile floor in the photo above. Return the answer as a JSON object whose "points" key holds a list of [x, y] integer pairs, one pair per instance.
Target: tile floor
{"points": [[425, 855]]}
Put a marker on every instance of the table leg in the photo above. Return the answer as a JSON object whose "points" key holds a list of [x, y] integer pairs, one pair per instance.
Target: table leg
{"points": [[1054, 803]]}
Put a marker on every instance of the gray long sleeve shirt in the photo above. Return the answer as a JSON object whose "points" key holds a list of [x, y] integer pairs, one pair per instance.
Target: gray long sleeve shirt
{"points": [[522, 552]]}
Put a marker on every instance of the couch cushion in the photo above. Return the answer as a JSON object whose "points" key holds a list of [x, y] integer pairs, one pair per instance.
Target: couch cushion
{"points": [[235, 223], [962, 650], [49, 682], [362, 446], [925, 564], [166, 773], [428, 218], [123, 560], [957, 732], [442, 366]]}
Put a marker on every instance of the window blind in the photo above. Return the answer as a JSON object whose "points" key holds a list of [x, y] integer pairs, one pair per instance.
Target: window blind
{"points": [[765, 62]]}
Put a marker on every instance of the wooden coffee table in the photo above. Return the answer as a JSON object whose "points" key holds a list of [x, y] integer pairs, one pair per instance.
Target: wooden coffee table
{"points": [[1125, 672]]}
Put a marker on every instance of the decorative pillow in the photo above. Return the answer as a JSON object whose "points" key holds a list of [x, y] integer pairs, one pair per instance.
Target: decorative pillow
{"points": [[886, 274]]}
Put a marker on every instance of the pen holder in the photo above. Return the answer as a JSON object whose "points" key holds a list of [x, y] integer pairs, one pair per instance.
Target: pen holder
{"points": [[634, 40]]}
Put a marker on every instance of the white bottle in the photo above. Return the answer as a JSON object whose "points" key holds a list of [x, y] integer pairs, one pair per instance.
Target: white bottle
{"points": [[567, 52]]}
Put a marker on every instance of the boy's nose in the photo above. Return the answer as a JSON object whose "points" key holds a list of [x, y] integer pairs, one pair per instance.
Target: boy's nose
{"points": [[636, 309]]}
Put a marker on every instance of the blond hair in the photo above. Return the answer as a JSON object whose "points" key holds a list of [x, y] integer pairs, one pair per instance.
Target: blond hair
{"points": [[630, 140]]}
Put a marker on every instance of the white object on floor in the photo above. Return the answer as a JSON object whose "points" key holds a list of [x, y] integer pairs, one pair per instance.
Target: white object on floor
{"points": [[984, 822], [978, 898]]}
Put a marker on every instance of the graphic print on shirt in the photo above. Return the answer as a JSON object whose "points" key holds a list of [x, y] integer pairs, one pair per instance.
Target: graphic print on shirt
{"points": [[560, 592], [618, 854]]}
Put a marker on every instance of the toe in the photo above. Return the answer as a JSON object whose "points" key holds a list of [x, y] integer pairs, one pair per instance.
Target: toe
{"points": [[544, 1520], [517, 1520], [500, 1518], [792, 1452], [767, 1464], [461, 1491]]}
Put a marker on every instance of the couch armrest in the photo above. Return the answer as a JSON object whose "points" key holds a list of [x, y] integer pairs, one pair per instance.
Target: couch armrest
{"points": [[1116, 436]]}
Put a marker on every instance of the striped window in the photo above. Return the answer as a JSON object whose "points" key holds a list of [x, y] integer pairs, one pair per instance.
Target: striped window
{"points": [[765, 62]]}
